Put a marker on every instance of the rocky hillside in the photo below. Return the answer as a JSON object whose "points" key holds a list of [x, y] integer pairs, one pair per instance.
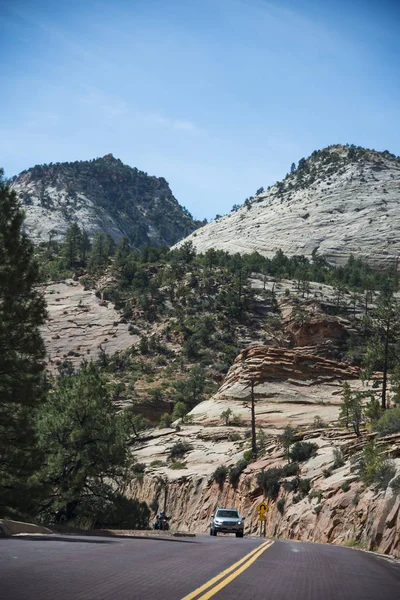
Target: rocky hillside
{"points": [[319, 498], [101, 195], [341, 200]]}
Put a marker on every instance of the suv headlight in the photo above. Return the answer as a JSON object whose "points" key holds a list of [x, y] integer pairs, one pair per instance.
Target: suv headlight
{"points": [[240, 523]]}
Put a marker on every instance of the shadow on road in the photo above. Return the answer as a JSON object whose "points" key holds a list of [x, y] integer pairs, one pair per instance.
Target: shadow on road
{"points": [[58, 538], [90, 540]]}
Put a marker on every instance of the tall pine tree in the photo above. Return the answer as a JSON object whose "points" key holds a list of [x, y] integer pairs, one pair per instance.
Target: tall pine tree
{"points": [[22, 312]]}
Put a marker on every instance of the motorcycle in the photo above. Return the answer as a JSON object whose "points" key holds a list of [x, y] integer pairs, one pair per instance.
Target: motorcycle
{"points": [[162, 523]]}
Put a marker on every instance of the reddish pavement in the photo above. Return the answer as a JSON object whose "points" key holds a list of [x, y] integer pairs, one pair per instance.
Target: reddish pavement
{"points": [[89, 568]]}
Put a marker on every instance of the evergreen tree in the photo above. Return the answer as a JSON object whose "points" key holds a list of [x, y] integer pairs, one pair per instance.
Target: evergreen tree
{"points": [[84, 247], [22, 312], [85, 446], [123, 251], [72, 244], [381, 351], [98, 254]]}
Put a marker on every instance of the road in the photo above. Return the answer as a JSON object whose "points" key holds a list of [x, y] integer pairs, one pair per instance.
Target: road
{"points": [[224, 568]]}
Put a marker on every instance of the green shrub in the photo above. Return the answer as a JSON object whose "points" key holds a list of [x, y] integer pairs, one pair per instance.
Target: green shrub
{"points": [[319, 423], [385, 473], [304, 486], [395, 485], [389, 422], [327, 472], [122, 513], [220, 474], [290, 469], [302, 451], [338, 459], [157, 463], [248, 456], [179, 449], [297, 498], [165, 420], [236, 471], [374, 468], [292, 485], [316, 494], [233, 436], [269, 481], [318, 509], [345, 486], [280, 505], [177, 464]]}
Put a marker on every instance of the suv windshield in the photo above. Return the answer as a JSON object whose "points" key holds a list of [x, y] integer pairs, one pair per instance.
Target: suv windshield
{"points": [[230, 514]]}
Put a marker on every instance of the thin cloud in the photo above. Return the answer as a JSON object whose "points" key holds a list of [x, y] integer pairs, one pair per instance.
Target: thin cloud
{"points": [[179, 124]]}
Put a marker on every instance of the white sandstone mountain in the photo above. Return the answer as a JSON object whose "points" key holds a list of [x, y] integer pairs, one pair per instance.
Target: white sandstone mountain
{"points": [[342, 200]]}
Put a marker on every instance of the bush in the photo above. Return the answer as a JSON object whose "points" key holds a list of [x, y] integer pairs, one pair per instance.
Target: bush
{"points": [[385, 473], [138, 470], [179, 449], [374, 468], [316, 494], [123, 513], [292, 485], [296, 498], [165, 420], [356, 499], [319, 422], [220, 474], [157, 463], [302, 451], [280, 505], [269, 480], [177, 464], [345, 486], [395, 485], [304, 486], [290, 469], [248, 456], [327, 472], [338, 459], [389, 422], [318, 509], [235, 472], [233, 436]]}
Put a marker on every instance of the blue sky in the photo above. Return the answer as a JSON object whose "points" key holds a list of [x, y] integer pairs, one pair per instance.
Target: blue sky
{"points": [[217, 96]]}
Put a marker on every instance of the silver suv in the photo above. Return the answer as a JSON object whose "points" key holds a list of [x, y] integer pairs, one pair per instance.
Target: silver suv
{"points": [[227, 520]]}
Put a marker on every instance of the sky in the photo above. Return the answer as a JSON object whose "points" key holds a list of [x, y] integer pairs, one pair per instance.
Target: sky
{"points": [[217, 96]]}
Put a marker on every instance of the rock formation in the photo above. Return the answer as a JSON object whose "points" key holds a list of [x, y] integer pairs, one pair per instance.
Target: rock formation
{"points": [[292, 386], [101, 195], [340, 201]]}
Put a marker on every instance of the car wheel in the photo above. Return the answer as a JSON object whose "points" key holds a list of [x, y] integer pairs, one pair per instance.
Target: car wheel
{"points": [[214, 532], [239, 534]]}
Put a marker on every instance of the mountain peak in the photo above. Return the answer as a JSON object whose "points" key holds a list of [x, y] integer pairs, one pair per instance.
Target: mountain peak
{"points": [[342, 200], [101, 194]]}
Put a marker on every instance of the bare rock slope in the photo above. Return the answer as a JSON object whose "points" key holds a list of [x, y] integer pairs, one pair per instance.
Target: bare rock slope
{"points": [[340, 201]]}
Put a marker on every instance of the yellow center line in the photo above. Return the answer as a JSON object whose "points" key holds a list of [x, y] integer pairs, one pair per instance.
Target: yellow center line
{"points": [[250, 558]]}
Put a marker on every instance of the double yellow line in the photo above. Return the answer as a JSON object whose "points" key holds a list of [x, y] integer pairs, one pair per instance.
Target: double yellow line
{"points": [[229, 574]]}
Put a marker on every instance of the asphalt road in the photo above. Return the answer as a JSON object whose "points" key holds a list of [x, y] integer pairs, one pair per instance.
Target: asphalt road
{"points": [[88, 568]]}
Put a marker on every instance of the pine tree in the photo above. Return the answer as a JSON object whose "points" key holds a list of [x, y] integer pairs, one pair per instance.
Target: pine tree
{"points": [[84, 246], [98, 254], [72, 244], [381, 351], [22, 312], [85, 446]]}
